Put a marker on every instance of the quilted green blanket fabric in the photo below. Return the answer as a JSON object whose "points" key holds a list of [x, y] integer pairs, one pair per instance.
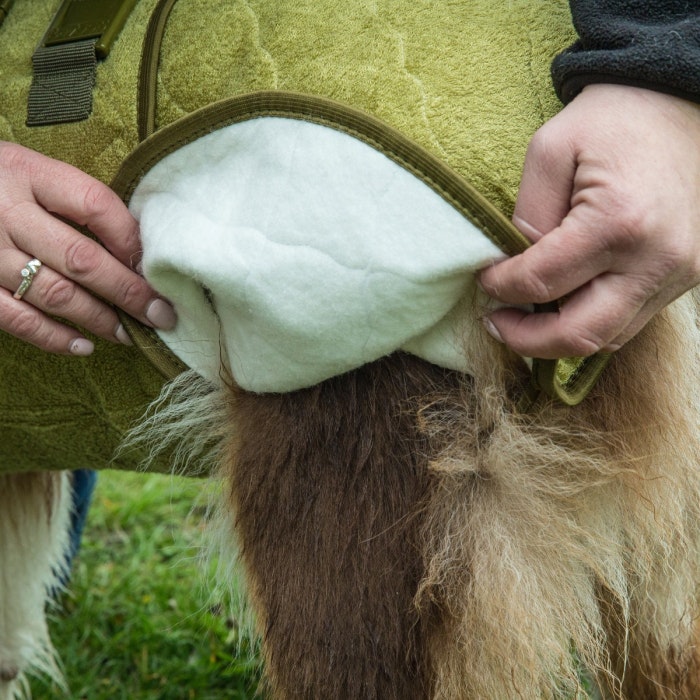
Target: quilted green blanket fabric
{"points": [[469, 81]]}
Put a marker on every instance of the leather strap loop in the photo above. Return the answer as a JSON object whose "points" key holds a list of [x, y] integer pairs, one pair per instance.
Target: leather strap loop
{"points": [[148, 69]]}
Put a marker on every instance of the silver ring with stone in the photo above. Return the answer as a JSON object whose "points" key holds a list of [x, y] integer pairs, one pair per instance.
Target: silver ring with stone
{"points": [[28, 273]]}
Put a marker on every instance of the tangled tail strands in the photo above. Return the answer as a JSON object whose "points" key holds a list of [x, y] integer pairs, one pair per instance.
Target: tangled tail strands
{"points": [[571, 528]]}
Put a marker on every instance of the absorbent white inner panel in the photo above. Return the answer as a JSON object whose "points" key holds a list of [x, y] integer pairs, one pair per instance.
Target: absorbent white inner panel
{"points": [[294, 252]]}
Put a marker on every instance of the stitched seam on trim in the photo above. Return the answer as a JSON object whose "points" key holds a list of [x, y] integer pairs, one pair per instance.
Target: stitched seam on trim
{"points": [[337, 126]]}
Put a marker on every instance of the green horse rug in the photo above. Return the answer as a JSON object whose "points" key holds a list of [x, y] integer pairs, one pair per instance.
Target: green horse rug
{"points": [[417, 512]]}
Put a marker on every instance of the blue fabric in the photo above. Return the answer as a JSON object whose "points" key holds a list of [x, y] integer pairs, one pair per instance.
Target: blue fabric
{"points": [[84, 481]]}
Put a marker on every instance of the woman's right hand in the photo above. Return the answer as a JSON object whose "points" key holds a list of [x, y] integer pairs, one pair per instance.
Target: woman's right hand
{"points": [[77, 275], [609, 197]]}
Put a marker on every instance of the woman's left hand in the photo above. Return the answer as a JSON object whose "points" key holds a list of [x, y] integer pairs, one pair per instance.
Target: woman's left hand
{"points": [[77, 278]]}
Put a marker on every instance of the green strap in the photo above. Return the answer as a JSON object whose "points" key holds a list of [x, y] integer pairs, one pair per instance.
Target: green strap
{"points": [[571, 379]]}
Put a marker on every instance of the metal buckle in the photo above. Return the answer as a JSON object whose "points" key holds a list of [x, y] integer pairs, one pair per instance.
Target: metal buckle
{"points": [[77, 20]]}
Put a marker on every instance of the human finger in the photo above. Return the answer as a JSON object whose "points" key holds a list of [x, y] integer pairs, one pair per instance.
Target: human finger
{"points": [[55, 295], [652, 307], [590, 320], [80, 259], [560, 262], [67, 191], [544, 195], [28, 323]]}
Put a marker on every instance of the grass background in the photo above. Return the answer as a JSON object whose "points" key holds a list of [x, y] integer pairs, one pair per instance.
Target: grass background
{"points": [[138, 621]]}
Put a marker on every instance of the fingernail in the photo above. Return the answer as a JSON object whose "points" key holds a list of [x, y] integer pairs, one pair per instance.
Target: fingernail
{"points": [[492, 330], [122, 336], [527, 229], [81, 347], [139, 268], [161, 315], [480, 287]]}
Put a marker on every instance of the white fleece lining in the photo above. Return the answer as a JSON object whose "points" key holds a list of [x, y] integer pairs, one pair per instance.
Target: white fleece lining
{"points": [[319, 254]]}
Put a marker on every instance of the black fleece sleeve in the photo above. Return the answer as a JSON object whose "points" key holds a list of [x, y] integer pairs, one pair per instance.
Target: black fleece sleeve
{"points": [[647, 43]]}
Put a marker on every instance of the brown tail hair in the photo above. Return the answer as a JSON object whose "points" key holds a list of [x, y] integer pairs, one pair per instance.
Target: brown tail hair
{"points": [[407, 533]]}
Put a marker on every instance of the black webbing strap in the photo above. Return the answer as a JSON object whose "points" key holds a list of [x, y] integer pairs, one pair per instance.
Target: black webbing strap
{"points": [[61, 89], [65, 62]]}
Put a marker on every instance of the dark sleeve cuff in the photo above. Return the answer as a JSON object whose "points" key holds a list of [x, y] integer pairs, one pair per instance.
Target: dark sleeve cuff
{"points": [[651, 45]]}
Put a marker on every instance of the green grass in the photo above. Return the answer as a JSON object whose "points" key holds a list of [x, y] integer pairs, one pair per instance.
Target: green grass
{"points": [[138, 621]]}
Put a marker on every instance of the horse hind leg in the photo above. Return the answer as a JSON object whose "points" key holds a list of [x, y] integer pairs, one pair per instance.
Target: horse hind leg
{"points": [[34, 520]]}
